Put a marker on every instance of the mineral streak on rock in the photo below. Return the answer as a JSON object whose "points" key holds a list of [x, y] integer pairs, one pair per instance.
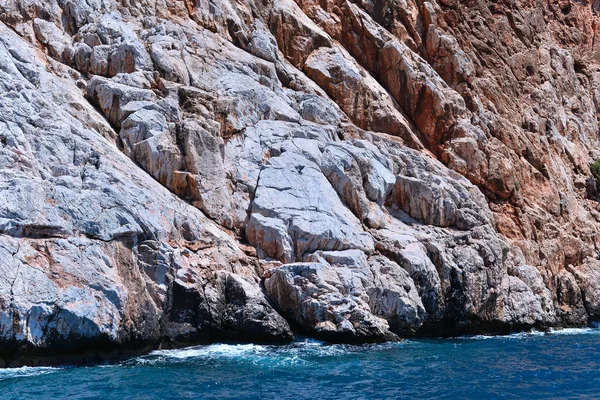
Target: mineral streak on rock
{"points": [[180, 172]]}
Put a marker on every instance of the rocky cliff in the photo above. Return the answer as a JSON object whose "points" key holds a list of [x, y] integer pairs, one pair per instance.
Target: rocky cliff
{"points": [[178, 172]]}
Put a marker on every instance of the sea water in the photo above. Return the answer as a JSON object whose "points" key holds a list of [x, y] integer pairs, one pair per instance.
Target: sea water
{"points": [[558, 365]]}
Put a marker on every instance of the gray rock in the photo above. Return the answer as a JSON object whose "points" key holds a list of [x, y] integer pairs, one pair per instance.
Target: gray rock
{"points": [[112, 97], [84, 231], [345, 297], [587, 280]]}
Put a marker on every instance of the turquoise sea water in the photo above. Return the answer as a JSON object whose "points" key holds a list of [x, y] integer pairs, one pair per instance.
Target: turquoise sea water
{"points": [[558, 365]]}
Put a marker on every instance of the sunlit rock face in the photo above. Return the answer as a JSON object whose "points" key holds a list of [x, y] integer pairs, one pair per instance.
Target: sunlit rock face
{"points": [[178, 172]]}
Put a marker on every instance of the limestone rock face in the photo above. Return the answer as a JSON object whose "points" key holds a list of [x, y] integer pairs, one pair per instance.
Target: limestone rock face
{"points": [[95, 253], [346, 297], [178, 172]]}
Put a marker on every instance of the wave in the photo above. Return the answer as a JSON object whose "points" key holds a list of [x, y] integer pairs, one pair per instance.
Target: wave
{"points": [[22, 372], [576, 331], [518, 335], [249, 353], [214, 350], [593, 330], [303, 351], [306, 350]]}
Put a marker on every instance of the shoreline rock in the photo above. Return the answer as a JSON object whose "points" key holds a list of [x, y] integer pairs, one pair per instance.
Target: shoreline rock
{"points": [[173, 173]]}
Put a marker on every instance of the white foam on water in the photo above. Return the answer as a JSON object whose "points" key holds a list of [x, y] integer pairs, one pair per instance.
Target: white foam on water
{"points": [[21, 372], [523, 335], [213, 350], [299, 352], [575, 331], [222, 350], [305, 351], [243, 353], [519, 335]]}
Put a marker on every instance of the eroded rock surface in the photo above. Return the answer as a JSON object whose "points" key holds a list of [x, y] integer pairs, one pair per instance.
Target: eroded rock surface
{"points": [[182, 172]]}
